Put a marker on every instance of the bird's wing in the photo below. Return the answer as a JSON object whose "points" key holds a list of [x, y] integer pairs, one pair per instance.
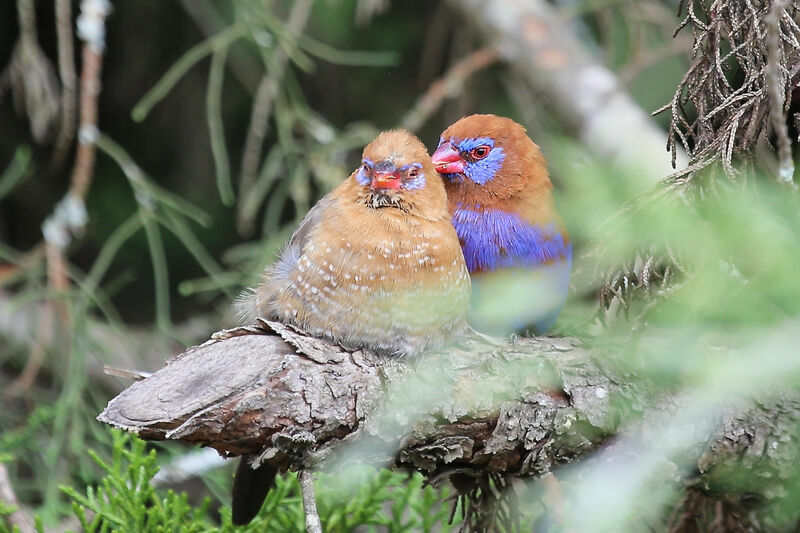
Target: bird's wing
{"points": [[257, 302], [288, 259], [309, 222]]}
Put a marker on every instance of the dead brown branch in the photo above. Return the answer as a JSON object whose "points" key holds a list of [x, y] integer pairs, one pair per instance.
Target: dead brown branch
{"points": [[69, 89], [721, 107], [87, 129], [745, 56], [69, 216], [448, 86], [31, 77], [777, 90]]}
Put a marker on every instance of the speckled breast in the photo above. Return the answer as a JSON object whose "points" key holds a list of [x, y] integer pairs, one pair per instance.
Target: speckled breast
{"points": [[368, 279]]}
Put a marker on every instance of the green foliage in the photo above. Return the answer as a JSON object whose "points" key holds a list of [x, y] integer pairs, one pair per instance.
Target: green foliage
{"points": [[722, 331], [16, 172], [411, 506], [306, 156], [125, 501], [719, 334]]}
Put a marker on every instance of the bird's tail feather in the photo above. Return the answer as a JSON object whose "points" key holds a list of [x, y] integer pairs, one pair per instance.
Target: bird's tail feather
{"points": [[250, 488]]}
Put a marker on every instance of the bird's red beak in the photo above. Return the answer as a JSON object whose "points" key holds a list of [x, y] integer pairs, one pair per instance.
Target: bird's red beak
{"points": [[386, 180], [447, 160]]}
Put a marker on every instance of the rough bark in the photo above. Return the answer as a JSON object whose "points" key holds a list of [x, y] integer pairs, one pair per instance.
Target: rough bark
{"points": [[577, 88], [477, 410], [270, 390]]}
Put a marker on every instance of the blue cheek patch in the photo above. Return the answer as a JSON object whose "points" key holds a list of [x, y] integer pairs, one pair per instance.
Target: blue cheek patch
{"points": [[484, 170], [414, 183], [494, 240], [362, 177]]}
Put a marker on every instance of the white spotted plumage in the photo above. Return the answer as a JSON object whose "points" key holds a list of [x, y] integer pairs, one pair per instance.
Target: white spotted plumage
{"points": [[383, 275]]}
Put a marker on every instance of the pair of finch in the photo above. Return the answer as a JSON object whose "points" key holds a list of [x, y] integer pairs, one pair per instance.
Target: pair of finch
{"points": [[386, 260]]}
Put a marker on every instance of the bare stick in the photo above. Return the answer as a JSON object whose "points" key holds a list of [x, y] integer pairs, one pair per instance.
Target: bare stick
{"points": [[448, 86], [94, 13], [69, 216], [19, 518], [776, 89], [313, 524], [66, 71]]}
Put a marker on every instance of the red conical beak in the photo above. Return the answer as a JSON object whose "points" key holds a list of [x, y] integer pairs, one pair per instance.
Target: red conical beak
{"points": [[447, 160], [386, 180]]}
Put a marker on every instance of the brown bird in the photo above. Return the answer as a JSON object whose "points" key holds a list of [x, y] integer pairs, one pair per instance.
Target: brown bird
{"points": [[376, 264]]}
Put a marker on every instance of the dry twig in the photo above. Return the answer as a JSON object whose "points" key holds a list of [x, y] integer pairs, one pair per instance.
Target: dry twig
{"points": [[30, 75], [777, 89], [69, 216], [721, 107], [91, 28], [448, 86], [744, 57], [66, 71], [313, 523]]}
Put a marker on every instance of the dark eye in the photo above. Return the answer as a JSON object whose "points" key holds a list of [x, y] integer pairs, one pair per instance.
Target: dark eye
{"points": [[412, 173], [480, 152]]}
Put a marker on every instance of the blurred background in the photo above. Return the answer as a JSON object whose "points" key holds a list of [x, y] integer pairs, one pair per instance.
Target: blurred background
{"points": [[220, 122]]}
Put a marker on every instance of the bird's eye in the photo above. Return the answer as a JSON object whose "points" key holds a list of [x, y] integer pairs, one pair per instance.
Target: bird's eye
{"points": [[412, 173], [480, 152]]}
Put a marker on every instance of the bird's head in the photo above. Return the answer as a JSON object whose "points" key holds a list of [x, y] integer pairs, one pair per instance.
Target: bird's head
{"points": [[396, 173], [490, 153]]}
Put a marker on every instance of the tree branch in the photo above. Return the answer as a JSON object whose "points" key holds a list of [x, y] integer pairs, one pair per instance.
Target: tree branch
{"points": [[478, 411], [448, 86], [69, 90]]}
